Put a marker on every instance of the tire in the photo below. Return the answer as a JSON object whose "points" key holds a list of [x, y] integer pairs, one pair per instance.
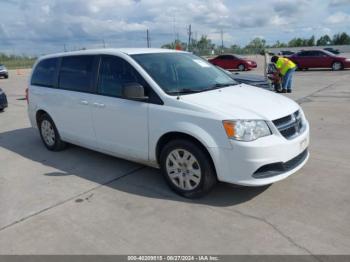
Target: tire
{"points": [[191, 178], [241, 67], [336, 66], [6, 77], [49, 134]]}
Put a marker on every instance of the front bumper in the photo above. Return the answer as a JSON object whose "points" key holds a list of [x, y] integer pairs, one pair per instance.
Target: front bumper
{"points": [[346, 64], [247, 163]]}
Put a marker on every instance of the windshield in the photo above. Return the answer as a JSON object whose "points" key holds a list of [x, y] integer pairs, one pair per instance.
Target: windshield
{"points": [[328, 53], [181, 73]]}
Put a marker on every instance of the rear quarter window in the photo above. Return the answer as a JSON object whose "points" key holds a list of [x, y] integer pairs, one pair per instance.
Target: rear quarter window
{"points": [[45, 72]]}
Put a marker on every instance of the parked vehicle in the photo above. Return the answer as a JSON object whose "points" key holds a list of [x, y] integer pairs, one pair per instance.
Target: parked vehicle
{"points": [[306, 59], [171, 110], [3, 72], [332, 50], [3, 100], [286, 53], [233, 62], [249, 79]]}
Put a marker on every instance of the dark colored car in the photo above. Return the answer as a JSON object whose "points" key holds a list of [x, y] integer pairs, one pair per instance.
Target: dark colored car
{"points": [[332, 50], [286, 53], [3, 100], [3, 72], [249, 79], [306, 59], [232, 62]]}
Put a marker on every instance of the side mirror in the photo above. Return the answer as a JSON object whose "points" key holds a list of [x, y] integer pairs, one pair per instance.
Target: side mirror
{"points": [[134, 91]]}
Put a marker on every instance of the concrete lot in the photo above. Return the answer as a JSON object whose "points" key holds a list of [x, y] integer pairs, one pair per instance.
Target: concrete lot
{"points": [[81, 202]]}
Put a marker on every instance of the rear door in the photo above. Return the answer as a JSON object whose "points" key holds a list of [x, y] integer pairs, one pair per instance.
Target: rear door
{"points": [[218, 61], [228, 62], [305, 59], [121, 125], [75, 86]]}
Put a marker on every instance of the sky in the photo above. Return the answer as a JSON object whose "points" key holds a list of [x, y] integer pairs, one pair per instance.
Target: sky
{"points": [[35, 27]]}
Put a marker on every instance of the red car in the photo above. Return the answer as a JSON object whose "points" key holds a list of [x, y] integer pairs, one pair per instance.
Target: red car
{"points": [[306, 59], [231, 62]]}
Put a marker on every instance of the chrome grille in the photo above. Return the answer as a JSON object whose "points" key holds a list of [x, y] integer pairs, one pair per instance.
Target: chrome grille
{"points": [[290, 126]]}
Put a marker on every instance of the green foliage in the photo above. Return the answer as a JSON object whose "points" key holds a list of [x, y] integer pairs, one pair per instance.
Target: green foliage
{"points": [[324, 40], [341, 39], [204, 45], [16, 61]]}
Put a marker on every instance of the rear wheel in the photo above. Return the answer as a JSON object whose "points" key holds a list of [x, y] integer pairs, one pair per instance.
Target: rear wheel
{"points": [[337, 66], [241, 67], [187, 168], [49, 134]]}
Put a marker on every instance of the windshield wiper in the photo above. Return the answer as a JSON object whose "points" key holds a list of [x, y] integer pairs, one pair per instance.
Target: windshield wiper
{"points": [[193, 91], [218, 85], [185, 91]]}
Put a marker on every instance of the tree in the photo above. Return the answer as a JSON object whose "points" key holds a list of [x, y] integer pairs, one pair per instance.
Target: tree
{"points": [[311, 41], [324, 40], [203, 46], [256, 46], [341, 39], [278, 44]]}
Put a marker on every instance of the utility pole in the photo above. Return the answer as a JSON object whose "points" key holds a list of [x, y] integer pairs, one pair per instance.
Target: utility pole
{"points": [[103, 43], [64, 48], [222, 41], [148, 39], [189, 37]]}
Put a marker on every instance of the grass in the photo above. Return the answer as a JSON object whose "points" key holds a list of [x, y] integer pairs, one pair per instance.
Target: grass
{"points": [[18, 64], [17, 61]]}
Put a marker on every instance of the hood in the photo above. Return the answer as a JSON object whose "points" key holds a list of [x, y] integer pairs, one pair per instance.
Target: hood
{"points": [[243, 102]]}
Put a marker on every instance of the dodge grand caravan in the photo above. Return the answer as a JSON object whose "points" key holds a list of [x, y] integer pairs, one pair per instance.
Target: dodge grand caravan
{"points": [[170, 110]]}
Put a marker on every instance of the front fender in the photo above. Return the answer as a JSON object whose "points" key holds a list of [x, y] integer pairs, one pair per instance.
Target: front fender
{"points": [[203, 136]]}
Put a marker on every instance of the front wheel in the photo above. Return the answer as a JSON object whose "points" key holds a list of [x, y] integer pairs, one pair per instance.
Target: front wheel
{"points": [[187, 168], [337, 66]]}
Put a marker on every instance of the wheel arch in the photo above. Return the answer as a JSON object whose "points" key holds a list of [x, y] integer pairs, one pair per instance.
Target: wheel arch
{"points": [[39, 114]]}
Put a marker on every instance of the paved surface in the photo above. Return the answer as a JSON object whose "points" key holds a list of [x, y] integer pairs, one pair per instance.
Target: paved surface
{"points": [[78, 201]]}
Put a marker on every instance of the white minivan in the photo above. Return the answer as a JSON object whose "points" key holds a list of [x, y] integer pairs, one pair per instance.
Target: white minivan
{"points": [[170, 110]]}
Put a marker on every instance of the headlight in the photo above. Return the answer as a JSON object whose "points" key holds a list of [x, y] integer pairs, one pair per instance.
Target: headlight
{"points": [[246, 130]]}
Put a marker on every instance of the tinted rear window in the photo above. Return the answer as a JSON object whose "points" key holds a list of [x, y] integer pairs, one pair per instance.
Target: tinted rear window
{"points": [[76, 73], [45, 72]]}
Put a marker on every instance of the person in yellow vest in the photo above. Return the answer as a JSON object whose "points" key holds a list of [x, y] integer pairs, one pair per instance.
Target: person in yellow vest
{"points": [[286, 68]]}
